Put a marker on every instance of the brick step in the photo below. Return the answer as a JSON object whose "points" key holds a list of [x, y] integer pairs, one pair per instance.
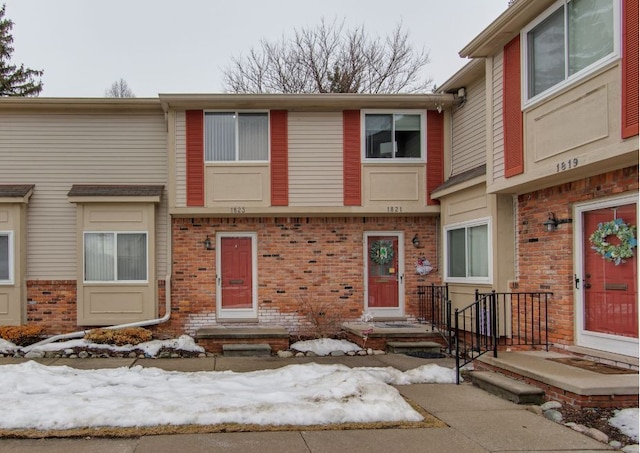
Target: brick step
{"points": [[405, 347], [246, 350], [506, 388]]}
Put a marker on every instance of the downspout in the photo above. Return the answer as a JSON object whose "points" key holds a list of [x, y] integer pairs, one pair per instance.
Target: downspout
{"points": [[148, 322]]}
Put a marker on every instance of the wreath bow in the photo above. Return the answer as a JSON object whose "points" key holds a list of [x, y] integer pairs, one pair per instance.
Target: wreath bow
{"points": [[614, 253]]}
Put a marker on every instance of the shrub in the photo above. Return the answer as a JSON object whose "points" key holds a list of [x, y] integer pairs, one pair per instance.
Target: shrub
{"points": [[119, 337], [21, 335]]}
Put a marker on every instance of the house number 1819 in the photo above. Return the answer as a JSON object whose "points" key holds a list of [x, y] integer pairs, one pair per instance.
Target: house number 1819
{"points": [[567, 165]]}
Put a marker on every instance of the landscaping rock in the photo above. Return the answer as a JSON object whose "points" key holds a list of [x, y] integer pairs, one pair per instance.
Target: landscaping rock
{"points": [[83, 355], [535, 409], [553, 415], [597, 435], [615, 444], [551, 405], [337, 353], [631, 449], [285, 354], [34, 355]]}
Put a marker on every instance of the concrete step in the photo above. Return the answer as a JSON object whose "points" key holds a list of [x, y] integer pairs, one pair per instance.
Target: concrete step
{"points": [[405, 347], [246, 350], [509, 389]]}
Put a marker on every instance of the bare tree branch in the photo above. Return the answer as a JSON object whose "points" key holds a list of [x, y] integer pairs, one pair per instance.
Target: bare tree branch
{"points": [[330, 59], [119, 89]]}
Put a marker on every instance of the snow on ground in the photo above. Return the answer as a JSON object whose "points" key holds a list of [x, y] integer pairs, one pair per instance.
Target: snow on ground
{"points": [[60, 397], [150, 348], [325, 346], [627, 421]]}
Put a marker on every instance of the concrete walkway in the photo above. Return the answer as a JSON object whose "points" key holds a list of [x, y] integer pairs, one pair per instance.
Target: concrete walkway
{"points": [[476, 421]]}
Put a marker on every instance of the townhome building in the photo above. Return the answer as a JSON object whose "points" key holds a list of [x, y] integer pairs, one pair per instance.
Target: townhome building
{"points": [[191, 211], [541, 186]]}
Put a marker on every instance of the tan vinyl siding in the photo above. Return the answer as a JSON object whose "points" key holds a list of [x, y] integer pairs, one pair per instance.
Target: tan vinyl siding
{"points": [[54, 151], [497, 126], [181, 160], [315, 159], [469, 130]]}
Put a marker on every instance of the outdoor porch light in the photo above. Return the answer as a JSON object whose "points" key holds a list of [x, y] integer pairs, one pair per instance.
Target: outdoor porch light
{"points": [[415, 241], [552, 222], [207, 243]]}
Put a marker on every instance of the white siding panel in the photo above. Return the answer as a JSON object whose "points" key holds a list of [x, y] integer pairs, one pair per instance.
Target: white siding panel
{"points": [[315, 159], [55, 151], [181, 159], [497, 129], [469, 130]]}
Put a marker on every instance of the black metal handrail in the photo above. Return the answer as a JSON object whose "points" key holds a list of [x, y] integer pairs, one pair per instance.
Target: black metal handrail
{"points": [[434, 307], [524, 317], [476, 330], [507, 319]]}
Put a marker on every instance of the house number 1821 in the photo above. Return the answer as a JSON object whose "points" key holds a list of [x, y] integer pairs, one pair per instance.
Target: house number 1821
{"points": [[567, 165], [394, 208]]}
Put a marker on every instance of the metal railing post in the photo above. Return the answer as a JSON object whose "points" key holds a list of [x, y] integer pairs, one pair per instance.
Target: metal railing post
{"points": [[457, 350]]}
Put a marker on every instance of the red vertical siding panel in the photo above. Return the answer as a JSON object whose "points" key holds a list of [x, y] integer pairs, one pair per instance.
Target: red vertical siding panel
{"points": [[279, 158], [630, 65], [195, 157], [352, 168], [435, 153], [511, 111]]}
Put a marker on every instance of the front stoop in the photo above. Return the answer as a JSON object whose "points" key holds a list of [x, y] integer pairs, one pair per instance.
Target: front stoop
{"points": [[406, 347], [507, 388], [214, 338], [378, 335], [246, 350]]}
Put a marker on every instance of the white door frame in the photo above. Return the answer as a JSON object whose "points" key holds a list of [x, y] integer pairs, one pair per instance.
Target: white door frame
{"points": [[596, 340], [240, 313], [385, 312]]}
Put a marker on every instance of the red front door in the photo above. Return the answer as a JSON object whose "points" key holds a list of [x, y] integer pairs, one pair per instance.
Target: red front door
{"points": [[610, 290], [383, 273], [236, 273]]}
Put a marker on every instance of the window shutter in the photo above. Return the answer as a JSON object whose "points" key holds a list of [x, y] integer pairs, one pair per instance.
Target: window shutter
{"points": [[352, 169], [279, 158], [435, 153], [511, 111], [195, 157], [630, 68]]}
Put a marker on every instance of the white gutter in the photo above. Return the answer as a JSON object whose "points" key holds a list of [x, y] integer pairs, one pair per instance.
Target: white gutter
{"points": [[148, 322]]}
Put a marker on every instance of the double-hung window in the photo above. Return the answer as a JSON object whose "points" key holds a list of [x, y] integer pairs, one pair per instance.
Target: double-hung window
{"points": [[571, 39], [236, 136], [394, 136], [468, 252], [115, 257], [6, 257]]}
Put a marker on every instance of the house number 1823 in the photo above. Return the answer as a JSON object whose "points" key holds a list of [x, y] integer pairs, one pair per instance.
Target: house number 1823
{"points": [[567, 165]]}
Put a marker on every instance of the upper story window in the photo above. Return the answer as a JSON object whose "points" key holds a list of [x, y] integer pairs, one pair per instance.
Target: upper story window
{"points": [[468, 252], [236, 137], [115, 257], [394, 136], [6, 259], [571, 39]]}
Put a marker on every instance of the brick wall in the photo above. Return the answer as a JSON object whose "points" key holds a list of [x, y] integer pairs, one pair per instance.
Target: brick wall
{"points": [[302, 262], [545, 260]]}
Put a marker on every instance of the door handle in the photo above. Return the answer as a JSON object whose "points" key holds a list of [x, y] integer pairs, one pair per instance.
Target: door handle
{"points": [[576, 279], [401, 278]]}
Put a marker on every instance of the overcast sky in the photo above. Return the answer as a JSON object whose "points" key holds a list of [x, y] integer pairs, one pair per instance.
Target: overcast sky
{"points": [[162, 46]]}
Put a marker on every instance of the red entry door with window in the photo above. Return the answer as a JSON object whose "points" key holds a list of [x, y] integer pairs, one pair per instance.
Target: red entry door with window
{"points": [[383, 272], [236, 273], [610, 291]]}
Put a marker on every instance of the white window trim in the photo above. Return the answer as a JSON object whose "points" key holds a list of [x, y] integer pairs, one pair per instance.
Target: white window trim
{"points": [[455, 226], [394, 160], [237, 161], [574, 78], [115, 264], [10, 281]]}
